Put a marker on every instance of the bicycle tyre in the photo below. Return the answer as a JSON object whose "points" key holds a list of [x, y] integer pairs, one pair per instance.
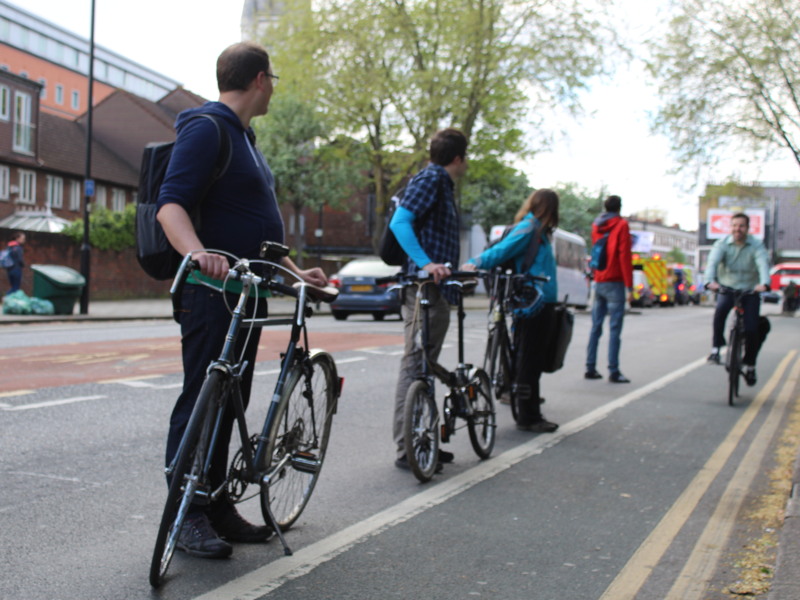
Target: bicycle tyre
{"points": [[481, 423], [496, 364], [733, 361], [188, 465], [421, 431], [298, 439]]}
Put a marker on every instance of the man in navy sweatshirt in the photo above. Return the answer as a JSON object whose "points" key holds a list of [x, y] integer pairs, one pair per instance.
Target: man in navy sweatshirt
{"points": [[238, 212]]}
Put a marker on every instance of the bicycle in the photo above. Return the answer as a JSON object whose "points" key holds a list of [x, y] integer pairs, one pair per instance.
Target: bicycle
{"points": [[499, 359], [469, 394], [735, 354], [285, 457]]}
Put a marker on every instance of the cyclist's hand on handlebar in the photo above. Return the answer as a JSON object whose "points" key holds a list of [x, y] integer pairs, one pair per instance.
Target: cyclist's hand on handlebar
{"points": [[760, 288], [438, 270], [469, 267], [211, 265], [315, 276], [713, 286]]}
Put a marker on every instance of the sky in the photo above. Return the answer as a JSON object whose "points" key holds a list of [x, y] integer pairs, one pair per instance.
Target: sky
{"points": [[611, 147]]}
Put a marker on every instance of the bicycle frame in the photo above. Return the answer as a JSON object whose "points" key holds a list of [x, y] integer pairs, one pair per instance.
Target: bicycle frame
{"points": [[233, 369]]}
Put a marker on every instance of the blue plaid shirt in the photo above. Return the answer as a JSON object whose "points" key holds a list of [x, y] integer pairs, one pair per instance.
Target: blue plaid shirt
{"points": [[439, 234]]}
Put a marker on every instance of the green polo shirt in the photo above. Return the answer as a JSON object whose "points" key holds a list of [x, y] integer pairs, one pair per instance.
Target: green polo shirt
{"points": [[738, 267]]}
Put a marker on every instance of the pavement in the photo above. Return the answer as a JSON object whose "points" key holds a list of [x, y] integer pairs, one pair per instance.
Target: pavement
{"points": [[785, 583]]}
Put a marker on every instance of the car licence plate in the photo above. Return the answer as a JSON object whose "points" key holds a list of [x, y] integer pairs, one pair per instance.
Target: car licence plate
{"points": [[360, 288]]}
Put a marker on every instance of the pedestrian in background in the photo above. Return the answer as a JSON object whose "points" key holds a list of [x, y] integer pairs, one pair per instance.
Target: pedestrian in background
{"points": [[16, 260], [536, 221], [613, 287]]}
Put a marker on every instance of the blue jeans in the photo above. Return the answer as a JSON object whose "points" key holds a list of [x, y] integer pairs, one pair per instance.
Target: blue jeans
{"points": [[609, 299]]}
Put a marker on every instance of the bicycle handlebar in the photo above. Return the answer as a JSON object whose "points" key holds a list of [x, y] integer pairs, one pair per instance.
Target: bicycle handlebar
{"points": [[241, 270]]}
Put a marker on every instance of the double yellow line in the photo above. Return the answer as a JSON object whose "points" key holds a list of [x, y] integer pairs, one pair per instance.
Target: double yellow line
{"points": [[700, 566]]}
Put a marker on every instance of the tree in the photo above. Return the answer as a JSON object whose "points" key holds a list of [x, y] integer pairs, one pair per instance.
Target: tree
{"points": [[493, 192], [392, 72], [676, 255], [310, 171], [108, 230], [729, 77], [578, 208]]}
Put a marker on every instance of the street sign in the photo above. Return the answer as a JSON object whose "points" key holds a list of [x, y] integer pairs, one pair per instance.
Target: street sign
{"points": [[718, 224], [88, 188]]}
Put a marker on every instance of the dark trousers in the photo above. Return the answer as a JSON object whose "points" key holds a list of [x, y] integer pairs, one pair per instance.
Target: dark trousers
{"points": [[204, 321], [752, 337], [530, 355], [14, 279]]}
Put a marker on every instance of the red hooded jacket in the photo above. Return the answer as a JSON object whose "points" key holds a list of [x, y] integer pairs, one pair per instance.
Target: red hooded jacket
{"points": [[619, 264]]}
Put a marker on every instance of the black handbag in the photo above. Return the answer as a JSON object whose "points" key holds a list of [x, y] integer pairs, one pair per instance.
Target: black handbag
{"points": [[558, 337]]}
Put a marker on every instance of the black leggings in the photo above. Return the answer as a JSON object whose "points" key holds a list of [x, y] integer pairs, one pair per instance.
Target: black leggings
{"points": [[529, 360]]}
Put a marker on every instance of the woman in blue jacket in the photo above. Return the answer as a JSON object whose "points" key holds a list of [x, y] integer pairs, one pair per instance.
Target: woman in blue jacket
{"points": [[538, 216]]}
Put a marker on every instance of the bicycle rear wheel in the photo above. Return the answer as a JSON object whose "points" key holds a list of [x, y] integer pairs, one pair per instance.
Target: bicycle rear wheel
{"points": [[186, 475], [481, 422], [421, 430], [734, 364], [496, 363], [298, 439]]}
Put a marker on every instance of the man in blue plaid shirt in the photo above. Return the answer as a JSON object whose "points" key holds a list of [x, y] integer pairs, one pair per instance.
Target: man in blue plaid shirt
{"points": [[426, 226]]}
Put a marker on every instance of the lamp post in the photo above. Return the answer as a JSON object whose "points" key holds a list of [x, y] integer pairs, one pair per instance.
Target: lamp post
{"points": [[88, 185]]}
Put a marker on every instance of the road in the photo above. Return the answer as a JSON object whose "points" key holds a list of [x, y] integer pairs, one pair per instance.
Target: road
{"points": [[645, 491]]}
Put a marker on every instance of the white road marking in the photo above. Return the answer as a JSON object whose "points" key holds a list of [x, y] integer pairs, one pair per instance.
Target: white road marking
{"points": [[50, 403]]}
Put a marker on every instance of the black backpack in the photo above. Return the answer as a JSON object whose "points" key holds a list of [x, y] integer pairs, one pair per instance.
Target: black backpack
{"points": [[389, 249], [153, 251]]}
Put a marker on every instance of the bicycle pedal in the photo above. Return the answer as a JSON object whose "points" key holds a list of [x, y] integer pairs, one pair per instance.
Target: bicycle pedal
{"points": [[306, 462]]}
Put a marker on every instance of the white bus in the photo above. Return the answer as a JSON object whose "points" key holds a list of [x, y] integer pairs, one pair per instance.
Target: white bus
{"points": [[570, 251]]}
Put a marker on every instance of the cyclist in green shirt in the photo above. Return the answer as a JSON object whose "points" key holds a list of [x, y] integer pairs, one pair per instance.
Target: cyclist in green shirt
{"points": [[739, 261]]}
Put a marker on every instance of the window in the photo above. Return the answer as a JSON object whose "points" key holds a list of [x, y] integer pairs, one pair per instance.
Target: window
{"points": [[75, 195], [23, 127], [5, 174], [5, 102], [76, 99], [100, 197], [117, 199], [59, 94], [55, 192], [27, 187]]}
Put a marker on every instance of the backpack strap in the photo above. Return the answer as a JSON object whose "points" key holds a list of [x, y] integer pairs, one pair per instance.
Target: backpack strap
{"points": [[224, 156], [533, 249]]}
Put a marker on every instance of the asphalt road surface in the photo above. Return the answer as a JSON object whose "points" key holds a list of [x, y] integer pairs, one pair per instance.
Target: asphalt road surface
{"points": [[645, 491]]}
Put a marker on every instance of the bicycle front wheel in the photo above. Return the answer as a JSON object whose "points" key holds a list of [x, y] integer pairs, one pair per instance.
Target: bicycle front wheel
{"points": [[496, 363], [734, 364], [298, 439], [481, 422], [187, 475], [421, 430]]}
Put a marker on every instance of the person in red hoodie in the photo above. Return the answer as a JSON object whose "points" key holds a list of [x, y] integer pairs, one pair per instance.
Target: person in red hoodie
{"points": [[612, 288]]}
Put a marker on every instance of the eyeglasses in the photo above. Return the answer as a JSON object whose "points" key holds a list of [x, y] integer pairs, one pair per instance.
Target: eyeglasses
{"points": [[275, 77]]}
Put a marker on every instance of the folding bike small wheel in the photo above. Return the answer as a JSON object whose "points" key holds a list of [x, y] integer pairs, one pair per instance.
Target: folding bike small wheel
{"points": [[421, 430], [481, 421]]}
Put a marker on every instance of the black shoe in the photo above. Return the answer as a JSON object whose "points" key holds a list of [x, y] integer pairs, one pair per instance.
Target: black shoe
{"points": [[593, 374], [402, 463], [750, 376], [232, 526], [540, 426], [445, 456], [197, 538], [714, 358], [618, 378]]}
